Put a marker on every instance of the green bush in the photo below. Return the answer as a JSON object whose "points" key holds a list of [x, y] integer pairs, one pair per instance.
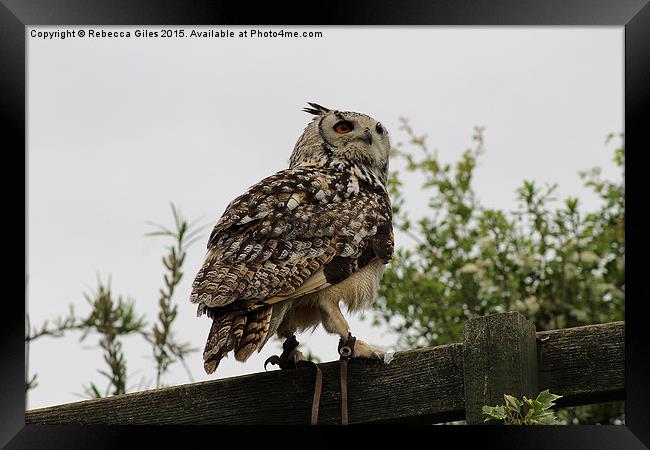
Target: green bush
{"points": [[558, 266], [526, 412]]}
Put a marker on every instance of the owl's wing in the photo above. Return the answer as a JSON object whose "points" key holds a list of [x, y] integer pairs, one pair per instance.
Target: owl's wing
{"points": [[377, 244], [293, 233]]}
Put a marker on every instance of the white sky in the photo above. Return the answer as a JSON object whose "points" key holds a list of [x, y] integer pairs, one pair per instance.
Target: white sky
{"points": [[118, 128]]}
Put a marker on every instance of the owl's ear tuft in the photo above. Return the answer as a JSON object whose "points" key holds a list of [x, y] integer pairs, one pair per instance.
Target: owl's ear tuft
{"points": [[316, 109]]}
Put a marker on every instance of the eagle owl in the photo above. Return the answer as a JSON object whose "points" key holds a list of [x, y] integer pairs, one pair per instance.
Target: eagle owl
{"points": [[286, 252]]}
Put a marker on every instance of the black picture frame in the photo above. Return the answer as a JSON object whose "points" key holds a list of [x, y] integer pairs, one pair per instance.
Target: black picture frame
{"points": [[634, 15]]}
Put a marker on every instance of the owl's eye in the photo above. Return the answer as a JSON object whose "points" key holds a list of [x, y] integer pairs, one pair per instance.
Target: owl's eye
{"points": [[343, 127], [379, 128]]}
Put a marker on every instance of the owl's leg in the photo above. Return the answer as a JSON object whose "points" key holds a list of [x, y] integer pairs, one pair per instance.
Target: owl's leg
{"points": [[286, 327], [290, 358], [334, 322]]}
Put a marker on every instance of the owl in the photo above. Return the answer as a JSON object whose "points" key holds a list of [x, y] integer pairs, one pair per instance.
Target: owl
{"points": [[285, 254]]}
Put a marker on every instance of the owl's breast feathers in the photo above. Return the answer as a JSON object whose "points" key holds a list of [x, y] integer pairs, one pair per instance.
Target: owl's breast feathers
{"points": [[295, 232]]}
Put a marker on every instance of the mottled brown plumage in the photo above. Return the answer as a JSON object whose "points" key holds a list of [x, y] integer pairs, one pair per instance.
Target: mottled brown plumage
{"points": [[286, 251]]}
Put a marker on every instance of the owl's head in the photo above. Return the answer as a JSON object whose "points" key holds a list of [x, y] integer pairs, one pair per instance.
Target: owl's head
{"points": [[343, 137]]}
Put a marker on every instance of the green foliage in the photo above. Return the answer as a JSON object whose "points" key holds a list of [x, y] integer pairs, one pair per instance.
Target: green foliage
{"points": [[526, 412], [111, 318], [165, 349], [557, 266]]}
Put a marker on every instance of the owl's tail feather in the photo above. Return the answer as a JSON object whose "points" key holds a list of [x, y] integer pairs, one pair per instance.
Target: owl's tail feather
{"points": [[221, 338], [241, 331], [257, 327]]}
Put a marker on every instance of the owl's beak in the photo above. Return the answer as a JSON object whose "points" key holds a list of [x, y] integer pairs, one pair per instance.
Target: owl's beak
{"points": [[367, 137]]}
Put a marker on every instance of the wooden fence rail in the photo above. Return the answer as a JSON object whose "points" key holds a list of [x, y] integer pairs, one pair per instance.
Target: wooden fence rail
{"points": [[501, 353]]}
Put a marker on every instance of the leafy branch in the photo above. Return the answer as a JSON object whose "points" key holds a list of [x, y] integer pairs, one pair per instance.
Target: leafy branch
{"points": [[165, 349], [111, 318], [61, 324], [527, 412]]}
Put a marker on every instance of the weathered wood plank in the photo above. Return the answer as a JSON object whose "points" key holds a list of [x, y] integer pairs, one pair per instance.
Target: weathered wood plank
{"points": [[424, 383], [584, 364], [500, 357]]}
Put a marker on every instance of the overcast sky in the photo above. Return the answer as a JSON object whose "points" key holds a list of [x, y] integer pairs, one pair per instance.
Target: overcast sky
{"points": [[119, 127]]}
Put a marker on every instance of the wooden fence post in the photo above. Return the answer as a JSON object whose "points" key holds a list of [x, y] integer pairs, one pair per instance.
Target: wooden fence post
{"points": [[499, 357]]}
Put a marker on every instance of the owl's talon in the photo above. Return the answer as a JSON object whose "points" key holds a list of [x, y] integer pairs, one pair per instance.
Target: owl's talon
{"points": [[275, 360], [290, 357], [284, 361]]}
